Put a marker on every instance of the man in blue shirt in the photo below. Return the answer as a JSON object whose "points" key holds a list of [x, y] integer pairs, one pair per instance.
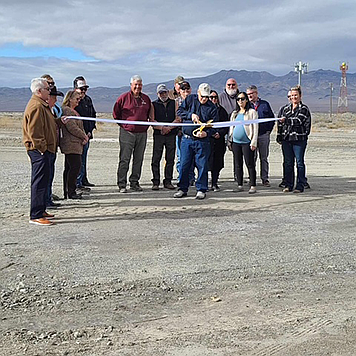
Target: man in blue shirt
{"points": [[196, 108], [264, 131]]}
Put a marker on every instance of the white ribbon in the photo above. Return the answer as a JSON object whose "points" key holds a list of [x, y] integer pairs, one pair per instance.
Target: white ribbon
{"points": [[178, 124]]}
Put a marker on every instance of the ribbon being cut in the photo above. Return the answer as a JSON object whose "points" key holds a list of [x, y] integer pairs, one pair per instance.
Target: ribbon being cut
{"points": [[200, 126]]}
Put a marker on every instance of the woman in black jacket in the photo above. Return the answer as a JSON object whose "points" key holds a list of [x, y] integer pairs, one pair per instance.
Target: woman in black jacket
{"points": [[293, 131], [217, 144]]}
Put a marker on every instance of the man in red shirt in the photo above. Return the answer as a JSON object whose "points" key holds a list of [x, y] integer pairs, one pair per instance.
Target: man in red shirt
{"points": [[132, 106]]}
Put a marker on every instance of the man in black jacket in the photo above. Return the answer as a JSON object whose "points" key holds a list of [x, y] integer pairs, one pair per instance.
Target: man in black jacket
{"points": [[85, 109], [163, 137], [264, 111]]}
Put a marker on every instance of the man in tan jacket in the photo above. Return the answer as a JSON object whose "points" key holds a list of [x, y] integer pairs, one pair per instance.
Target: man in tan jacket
{"points": [[40, 139]]}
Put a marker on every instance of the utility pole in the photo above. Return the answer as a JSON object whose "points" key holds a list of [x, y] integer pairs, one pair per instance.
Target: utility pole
{"points": [[301, 68], [331, 100]]}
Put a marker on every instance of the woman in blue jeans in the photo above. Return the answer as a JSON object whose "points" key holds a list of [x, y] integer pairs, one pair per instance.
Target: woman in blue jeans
{"points": [[293, 131], [243, 141]]}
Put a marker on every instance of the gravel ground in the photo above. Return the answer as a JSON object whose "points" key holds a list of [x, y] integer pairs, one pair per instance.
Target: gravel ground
{"points": [[146, 274]]}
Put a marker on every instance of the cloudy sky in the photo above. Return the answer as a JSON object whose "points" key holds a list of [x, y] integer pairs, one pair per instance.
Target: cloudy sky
{"points": [[108, 41]]}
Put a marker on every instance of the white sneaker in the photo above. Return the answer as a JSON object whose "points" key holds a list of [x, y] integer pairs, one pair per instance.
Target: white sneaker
{"points": [[252, 190], [122, 190], [179, 194], [200, 195], [239, 188]]}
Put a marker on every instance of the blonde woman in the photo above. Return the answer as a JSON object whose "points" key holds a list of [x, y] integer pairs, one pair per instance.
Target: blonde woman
{"points": [[293, 131], [243, 141], [71, 142]]}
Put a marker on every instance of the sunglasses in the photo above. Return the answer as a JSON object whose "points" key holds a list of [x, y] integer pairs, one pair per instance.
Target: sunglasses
{"points": [[231, 85], [205, 96], [213, 97], [241, 99], [83, 89]]}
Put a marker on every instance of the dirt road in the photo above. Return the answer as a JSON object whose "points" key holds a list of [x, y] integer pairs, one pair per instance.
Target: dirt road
{"points": [[146, 274]]}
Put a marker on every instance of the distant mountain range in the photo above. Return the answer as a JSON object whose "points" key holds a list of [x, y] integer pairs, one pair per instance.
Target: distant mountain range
{"points": [[315, 86]]}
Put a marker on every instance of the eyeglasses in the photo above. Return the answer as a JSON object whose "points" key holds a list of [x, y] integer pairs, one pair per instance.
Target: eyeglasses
{"points": [[213, 97], [241, 99]]}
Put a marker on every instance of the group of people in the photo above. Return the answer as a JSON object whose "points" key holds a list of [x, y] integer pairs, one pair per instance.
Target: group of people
{"points": [[200, 149], [45, 127], [197, 148]]}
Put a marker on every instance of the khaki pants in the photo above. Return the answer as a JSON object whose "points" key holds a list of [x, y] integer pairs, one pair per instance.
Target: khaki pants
{"points": [[131, 144]]}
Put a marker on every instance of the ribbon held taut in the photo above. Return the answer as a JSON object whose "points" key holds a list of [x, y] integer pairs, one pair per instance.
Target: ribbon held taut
{"points": [[178, 124]]}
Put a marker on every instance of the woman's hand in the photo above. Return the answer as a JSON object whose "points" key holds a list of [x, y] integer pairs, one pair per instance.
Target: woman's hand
{"points": [[64, 119], [85, 141], [253, 148]]}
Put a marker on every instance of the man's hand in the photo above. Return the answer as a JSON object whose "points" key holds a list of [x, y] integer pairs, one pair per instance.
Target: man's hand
{"points": [[195, 118], [282, 120], [165, 130], [201, 134], [216, 135], [64, 119], [253, 148]]}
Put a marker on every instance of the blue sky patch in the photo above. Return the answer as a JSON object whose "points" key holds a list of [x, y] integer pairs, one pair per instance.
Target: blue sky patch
{"points": [[18, 50]]}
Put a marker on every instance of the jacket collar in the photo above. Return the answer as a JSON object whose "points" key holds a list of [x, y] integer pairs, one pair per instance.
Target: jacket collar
{"points": [[37, 98]]}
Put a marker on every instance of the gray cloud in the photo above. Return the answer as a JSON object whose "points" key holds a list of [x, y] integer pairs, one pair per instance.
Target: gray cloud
{"points": [[162, 39]]}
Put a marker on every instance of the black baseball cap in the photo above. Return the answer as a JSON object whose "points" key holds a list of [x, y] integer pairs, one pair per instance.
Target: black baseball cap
{"points": [[55, 92]]}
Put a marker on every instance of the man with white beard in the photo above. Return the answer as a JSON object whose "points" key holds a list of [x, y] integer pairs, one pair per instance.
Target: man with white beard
{"points": [[228, 97]]}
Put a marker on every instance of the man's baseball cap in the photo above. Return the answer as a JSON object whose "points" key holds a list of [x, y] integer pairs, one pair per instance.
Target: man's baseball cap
{"points": [[179, 79], [82, 84], [55, 92], [161, 88], [204, 89]]}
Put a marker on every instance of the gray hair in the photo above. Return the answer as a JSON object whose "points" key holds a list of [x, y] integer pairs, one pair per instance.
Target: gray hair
{"points": [[37, 84], [252, 87], [135, 78]]}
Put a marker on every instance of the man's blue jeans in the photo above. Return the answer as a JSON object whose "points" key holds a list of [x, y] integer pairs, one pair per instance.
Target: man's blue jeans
{"points": [[294, 151], [83, 169], [198, 150], [178, 164]]}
